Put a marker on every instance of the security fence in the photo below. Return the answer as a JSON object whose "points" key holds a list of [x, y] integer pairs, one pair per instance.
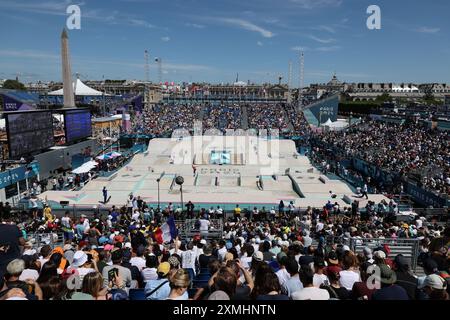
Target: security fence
{"points": [[189, 228]]}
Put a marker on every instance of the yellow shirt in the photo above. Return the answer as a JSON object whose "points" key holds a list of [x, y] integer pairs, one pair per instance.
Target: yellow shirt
{"points": [[237, 211], [48, 214]]}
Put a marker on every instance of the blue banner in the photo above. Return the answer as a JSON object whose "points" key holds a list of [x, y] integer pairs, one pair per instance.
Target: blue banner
{"points": [[13, 176], [425, 197]]}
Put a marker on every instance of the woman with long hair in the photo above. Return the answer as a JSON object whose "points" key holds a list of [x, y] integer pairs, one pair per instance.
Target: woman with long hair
{"points": [[267, 286], [93, 285]]}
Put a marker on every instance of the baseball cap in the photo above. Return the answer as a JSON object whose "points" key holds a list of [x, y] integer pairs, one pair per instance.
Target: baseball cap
{"points": [[164, 268], [435, 281], [203, 241], [379, 254], [258, 256]]}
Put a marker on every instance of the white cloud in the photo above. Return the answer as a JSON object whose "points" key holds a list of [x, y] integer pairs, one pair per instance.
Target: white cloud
{"points": [[327, 49], [312, 4], [140, 23], [300, 48], [31, 54], [195, 25], [428, 30], [324, 41], [325, 28], [319, 49], [165, 39], [259, 43], [247, 25]]}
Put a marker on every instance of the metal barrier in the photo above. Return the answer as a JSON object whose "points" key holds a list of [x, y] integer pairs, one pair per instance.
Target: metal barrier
{"points": [[409, 248], [52, 239], [187, 229]]}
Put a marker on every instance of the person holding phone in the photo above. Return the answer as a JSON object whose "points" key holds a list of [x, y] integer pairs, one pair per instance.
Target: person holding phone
{"points": [[110, 273]]}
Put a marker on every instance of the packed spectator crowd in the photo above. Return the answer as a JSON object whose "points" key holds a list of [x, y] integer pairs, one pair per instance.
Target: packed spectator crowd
{"points": [[267, 116], [222, 117], [163, 119], [283, 254], [407, 149]]}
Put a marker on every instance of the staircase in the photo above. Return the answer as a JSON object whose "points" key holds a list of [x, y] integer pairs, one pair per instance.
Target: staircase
{"points": [[244, 117]]}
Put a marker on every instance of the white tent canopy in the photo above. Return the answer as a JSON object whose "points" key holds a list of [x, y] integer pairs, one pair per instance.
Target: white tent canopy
{"points": [[80, 89], [85, 168]]}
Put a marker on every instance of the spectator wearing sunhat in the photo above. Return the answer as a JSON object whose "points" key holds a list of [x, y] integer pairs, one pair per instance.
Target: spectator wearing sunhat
{"points": [[80, 264], [389, 290]]}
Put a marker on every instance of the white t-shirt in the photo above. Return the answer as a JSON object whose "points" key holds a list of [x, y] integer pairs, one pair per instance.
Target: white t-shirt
{"points": [[136, 215], [283, 276], [204, 225], [222, 252], [311, 293], [348, 278], [320, 279], [84, 271], [188, 259], [246, 261], [319, 226], [149, 274], [138, 262], [65, 222]]}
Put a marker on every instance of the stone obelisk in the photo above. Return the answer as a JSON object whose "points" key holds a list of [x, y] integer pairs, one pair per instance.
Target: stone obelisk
{"points": [[69, 98]]}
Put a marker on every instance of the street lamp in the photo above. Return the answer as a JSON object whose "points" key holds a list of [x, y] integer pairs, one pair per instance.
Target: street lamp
{"points": [[179, 181], [158, 180]]}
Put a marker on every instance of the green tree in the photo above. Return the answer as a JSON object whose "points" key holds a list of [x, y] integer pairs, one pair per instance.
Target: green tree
{"points": [[13, 84], [385, 97]]}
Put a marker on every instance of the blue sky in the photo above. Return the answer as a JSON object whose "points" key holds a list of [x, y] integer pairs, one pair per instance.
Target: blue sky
{"points": [[209, 40]]}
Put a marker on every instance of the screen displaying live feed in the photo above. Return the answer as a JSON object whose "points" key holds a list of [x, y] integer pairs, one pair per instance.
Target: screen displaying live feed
{"points": [[77, 124], [29, 132]]}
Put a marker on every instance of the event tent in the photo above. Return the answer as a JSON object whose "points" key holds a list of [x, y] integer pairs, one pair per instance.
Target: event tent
{"points": [[85, 168], [80, 89]]}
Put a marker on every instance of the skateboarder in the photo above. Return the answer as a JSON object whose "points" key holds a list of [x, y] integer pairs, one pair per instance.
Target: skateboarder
{"points": [[105, 195]]}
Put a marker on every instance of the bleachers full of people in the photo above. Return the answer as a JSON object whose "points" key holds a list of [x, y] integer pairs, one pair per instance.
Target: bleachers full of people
{"points": [[279, 254]]}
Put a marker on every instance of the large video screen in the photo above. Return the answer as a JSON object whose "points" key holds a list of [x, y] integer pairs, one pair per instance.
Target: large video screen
{"points": [[28, 132], [77, 124]]}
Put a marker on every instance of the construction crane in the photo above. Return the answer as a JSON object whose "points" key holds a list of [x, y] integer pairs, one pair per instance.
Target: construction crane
{"points": [[159, 62]]}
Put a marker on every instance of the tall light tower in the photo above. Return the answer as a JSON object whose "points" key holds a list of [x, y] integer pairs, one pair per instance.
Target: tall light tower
{"points": [[302, 79], [147, 67], [159, 62]]}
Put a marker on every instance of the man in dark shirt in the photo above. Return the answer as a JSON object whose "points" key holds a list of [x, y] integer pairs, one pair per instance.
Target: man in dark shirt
{"points": [[404, 277], [10, 240]]}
